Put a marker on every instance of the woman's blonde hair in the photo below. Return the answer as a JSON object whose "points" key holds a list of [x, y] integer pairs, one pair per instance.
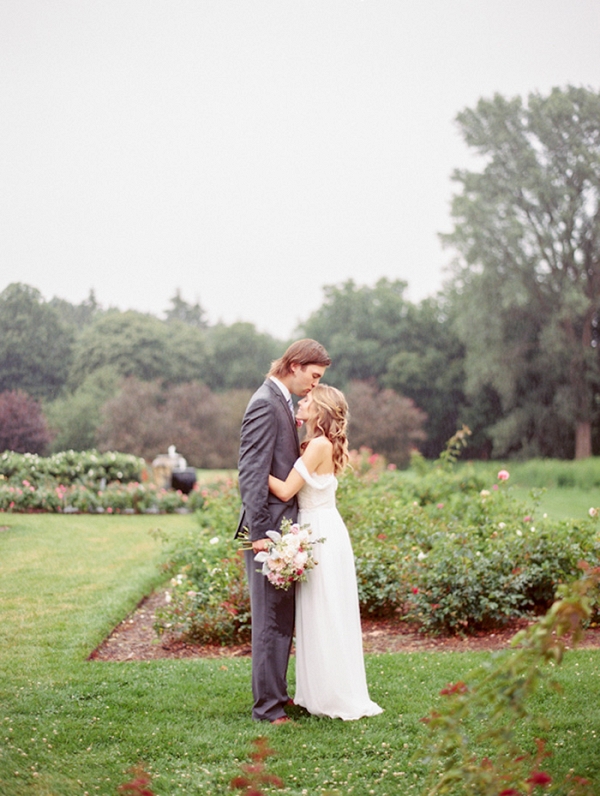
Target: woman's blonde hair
{"points": [[329, 418]]}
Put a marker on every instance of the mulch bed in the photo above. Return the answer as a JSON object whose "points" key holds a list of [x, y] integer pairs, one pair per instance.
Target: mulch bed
{"points": [[135, 639]]}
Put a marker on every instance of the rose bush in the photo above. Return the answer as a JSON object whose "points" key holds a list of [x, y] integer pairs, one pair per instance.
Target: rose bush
{"points": [[447, 548]]}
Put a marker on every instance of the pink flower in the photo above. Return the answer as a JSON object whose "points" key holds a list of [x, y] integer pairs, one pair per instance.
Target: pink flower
{"points": [[527, 518], [109, 510], [539, 778], [392, 466], [503, 475], [440, 505], [415, 590]]}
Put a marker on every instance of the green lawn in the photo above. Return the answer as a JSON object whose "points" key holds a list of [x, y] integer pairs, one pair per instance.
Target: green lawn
{"points": [[562, 504], [71, 726]]}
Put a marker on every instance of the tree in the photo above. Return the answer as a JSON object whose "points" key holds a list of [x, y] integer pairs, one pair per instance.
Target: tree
{"points": [[75, 417], [361, 328], [384, 421], [76, 315], [139, 345], [35, 347], [23, 426], [144, 418], [182, 312], [374, 333], [528, 228], [239, 357], [429, 369]]}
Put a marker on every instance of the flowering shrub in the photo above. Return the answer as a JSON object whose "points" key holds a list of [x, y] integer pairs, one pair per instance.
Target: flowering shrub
{"points": [[446, 547], [71, 467], [117, 498], [454, 552], [496, 702], [207, 601]]}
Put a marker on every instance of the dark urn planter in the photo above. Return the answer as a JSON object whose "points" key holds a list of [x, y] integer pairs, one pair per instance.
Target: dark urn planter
{"points": [[184, 480]]}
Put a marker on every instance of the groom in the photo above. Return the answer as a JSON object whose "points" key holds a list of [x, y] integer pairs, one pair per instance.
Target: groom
{"points": [[269, 446]]}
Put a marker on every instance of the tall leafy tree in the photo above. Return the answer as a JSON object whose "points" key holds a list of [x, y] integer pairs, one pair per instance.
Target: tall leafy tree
{"points": [[527, 227], [388, 423], [428, 367], [23, 427], [376, 334], [139, 345], [132, 343], [35, 346], [361, 327], [239, 356], [74, 417]]}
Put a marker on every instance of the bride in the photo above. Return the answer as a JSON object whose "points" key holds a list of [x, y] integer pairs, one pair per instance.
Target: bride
{"points": [[330, 670]]}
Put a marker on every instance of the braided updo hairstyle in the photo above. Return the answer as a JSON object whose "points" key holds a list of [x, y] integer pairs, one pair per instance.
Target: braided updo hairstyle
{"points": [[329, 418]]}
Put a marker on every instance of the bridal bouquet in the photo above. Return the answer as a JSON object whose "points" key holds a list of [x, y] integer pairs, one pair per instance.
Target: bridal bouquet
{"points": [[289, 556]]}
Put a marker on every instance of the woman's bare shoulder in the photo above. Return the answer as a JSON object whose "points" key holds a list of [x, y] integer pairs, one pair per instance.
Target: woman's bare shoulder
{"points": [[320, 443]]}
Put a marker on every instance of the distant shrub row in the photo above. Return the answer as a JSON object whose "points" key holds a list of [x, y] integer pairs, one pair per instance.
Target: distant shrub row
{"points": [[71, 467]]}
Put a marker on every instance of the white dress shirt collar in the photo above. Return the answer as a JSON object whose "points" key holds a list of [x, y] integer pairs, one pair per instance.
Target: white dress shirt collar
{"points": [[286, 393]]}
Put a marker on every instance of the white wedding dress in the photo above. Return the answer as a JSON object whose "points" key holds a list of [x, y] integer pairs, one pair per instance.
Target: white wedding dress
{"points": [[330, 669]]}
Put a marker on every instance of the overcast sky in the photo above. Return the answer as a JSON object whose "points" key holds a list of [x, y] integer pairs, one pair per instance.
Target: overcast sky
{"points": [[249, 152]]}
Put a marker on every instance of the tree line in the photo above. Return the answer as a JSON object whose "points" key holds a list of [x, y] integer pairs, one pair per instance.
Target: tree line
{"points": [[508, 347]]}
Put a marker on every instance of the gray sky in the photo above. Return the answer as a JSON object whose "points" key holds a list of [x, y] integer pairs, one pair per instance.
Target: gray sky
{"points": [[249, 152]]}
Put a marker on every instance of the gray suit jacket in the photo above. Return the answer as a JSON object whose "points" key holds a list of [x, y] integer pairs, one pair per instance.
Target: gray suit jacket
{"points": [[269, 446]]}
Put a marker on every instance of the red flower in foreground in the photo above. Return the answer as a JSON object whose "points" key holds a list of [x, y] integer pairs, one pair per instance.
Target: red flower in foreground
{"points": [[454, 688], [509, 792], [539, 778]]}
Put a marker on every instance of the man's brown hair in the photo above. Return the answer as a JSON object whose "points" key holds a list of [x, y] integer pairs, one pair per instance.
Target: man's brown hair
{"points": [[302, 352]]}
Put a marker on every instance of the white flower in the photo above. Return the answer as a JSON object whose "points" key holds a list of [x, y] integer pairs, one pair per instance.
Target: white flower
{"points": [[502, 525], [168, 597], [421, 555], [214, 540], [593, 512], [519, 532], [485, 493], [532, 529]]}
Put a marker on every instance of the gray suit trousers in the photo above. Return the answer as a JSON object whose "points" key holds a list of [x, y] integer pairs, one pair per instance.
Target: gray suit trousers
{"points": [[272, 629]]}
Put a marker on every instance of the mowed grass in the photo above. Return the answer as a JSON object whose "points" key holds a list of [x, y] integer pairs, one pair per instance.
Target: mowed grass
{"points": [[73, 726], [565, 503]]}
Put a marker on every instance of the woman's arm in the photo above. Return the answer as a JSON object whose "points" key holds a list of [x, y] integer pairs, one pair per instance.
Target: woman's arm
{"points": [[285, 490], [314, 455]]}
